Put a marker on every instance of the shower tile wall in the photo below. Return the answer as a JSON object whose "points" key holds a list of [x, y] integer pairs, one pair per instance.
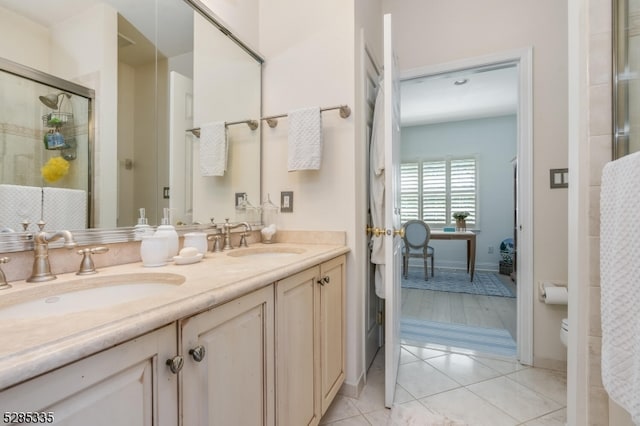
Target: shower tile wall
{"points": [[19, 127]]}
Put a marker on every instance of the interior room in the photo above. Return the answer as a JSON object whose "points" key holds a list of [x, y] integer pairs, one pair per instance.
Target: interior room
{"points": [[459, 138], [236, 252]]}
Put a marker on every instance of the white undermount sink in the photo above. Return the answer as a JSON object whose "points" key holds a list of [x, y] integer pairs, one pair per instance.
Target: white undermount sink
{"points": [[86, 294], [266, 252]]}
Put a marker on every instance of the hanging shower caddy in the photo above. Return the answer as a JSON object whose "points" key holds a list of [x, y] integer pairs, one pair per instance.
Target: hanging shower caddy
{"points": [[60, 130]]}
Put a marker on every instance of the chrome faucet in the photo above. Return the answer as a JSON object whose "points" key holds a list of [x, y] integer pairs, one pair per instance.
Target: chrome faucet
{"points": [[41, 267], [227, 234]]}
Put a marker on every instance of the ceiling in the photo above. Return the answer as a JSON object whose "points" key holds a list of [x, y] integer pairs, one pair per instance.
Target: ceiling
{"points": [[140, 25], [487, 92]]}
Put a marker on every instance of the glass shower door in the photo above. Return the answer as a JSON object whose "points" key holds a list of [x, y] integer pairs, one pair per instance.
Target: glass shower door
{"points": [[626, 77]]}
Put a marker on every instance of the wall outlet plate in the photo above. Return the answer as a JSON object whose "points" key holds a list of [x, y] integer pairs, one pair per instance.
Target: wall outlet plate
{"points": [[286, 202], [559, 178]]}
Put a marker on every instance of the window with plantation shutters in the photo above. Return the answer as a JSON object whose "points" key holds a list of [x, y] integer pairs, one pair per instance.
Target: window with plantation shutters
{"points": [[410, 191], [433, 190]]}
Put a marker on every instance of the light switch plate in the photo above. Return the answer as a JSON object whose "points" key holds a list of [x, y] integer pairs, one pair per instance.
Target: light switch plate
{"points": [[286, 202], [559, 178]]}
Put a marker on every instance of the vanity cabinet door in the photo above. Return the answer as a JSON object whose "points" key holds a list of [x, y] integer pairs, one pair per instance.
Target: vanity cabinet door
{"points": [[310, 342], [227, 378], [332, 328], [129, 384], [297, 349]]}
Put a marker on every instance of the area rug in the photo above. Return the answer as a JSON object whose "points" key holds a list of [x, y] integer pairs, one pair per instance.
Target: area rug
{"points": [[457, 281], [480, 339]]}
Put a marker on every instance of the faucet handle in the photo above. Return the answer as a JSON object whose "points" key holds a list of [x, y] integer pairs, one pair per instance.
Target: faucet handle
{"points": [[87, 267], [243, 240], [216, 243], [3, 279]]}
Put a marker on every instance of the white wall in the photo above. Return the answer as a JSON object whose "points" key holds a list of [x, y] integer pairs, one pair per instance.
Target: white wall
{"points": [[457, 29], [309, 52], [33, 49], [492, 141]]}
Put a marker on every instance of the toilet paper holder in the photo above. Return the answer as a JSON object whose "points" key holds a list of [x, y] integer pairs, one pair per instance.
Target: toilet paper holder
{"points": [[543, 284]]}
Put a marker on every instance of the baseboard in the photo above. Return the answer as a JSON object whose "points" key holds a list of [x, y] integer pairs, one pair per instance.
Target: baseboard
{"points": [[550, 364], [352, 390]]}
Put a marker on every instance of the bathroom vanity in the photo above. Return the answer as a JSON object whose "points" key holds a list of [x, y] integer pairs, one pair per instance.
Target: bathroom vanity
{"points": [[251, 337]]}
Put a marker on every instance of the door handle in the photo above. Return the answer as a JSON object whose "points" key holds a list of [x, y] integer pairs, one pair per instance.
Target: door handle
{"points": [[377, 232], [399, 232]]}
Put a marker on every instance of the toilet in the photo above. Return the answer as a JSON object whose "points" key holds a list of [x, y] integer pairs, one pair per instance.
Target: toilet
{"points": [[564, 329]]}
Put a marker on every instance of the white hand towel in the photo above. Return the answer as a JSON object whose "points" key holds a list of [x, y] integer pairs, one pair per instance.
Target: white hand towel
{"points": [[213, 149], [620, 282], [305, 139]]}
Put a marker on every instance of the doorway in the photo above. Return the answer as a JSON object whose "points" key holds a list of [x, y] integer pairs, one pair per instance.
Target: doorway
{"points": [[454, 308]]}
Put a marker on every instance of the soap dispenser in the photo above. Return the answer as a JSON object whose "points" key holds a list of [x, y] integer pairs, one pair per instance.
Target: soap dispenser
{"points": [[142, 228], [168, 230]]}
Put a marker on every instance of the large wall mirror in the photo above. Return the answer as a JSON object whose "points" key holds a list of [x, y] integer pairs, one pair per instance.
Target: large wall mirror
{"points": [[155, 72], [626, 77]]}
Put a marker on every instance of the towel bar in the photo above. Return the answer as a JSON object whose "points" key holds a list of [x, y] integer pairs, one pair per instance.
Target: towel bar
{"points": [[272, 120], [253, 124]]}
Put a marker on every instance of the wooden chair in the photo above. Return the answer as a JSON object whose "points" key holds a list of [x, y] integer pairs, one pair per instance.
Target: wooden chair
{"points": [[416, 244]]}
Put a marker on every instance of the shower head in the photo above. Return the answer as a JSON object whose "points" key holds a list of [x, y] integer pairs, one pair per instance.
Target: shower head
{"points": [[52, 100]]}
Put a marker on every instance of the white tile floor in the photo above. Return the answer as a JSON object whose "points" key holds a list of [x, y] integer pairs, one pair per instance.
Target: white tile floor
{"points": [[438, 387]]}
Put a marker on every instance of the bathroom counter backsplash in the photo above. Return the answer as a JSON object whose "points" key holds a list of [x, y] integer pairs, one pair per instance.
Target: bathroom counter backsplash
{"points": [[32, 346]]}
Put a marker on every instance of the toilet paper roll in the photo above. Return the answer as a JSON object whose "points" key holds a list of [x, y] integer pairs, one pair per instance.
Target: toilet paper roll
{"points": [[556, 295]]}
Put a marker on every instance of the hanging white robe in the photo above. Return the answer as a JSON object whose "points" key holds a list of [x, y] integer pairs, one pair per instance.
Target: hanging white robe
{"points": [[376, 189]]}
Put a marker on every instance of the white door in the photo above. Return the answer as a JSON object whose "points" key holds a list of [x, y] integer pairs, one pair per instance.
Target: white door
{"points": [[181, 147], [392, 242]]}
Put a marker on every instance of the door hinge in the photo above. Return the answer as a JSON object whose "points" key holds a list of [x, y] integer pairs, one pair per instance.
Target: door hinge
{"points": [[380, 318]]}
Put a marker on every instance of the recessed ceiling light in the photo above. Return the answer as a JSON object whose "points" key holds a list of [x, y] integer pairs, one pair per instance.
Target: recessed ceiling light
{"points": [[461, 82]]}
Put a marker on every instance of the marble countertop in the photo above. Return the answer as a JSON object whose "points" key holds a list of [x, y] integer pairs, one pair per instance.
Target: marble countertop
{"points": [[32, 346]]}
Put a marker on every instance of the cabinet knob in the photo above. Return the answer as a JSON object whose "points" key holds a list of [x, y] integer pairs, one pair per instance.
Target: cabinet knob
{"points": [[324, 280], [175, 364], [198, 353]]}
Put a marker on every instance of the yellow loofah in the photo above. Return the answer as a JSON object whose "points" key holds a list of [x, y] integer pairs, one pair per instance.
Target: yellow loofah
{"points": [[56, 168]]}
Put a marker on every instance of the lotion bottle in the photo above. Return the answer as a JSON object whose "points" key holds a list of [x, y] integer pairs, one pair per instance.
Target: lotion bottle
{"points": [[142, 228], [169, 230]]}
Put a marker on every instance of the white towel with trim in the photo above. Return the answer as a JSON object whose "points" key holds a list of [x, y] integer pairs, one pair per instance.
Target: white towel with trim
{"points": [[305, 139], [213, 149], [620, 282]]}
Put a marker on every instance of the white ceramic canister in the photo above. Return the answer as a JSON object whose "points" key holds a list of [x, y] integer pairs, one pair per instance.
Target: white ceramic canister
{"points": [[197, 240], [153, 250]]}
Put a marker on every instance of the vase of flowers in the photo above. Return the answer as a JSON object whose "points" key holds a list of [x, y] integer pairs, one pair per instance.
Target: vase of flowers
{"points": [[461, 223]]}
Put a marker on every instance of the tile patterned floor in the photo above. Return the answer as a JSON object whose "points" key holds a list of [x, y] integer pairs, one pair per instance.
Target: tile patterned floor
{"points": [[442, 388]]}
